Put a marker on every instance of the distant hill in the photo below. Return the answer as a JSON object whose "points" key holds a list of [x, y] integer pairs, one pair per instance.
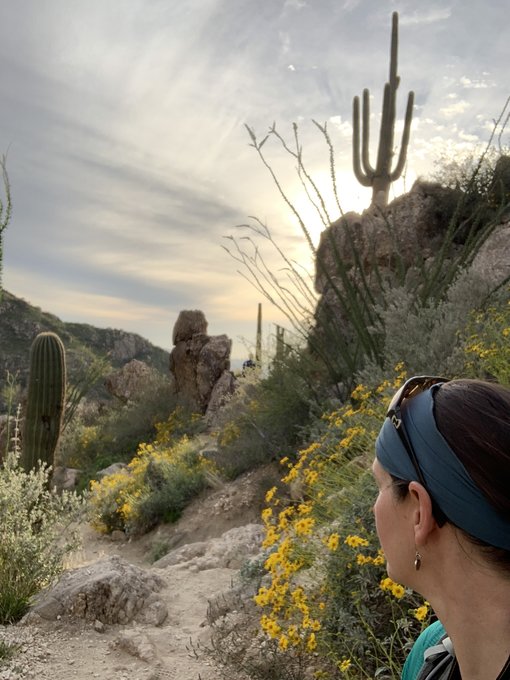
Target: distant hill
{"points": [[20, 322]]}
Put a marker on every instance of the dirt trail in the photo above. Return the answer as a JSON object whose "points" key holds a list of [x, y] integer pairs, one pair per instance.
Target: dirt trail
{"points": [[62, 650]]}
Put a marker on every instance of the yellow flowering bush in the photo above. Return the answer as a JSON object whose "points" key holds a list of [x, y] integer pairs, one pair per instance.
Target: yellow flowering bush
{"points": [[487, 343], [328, 590], [155, 486]]}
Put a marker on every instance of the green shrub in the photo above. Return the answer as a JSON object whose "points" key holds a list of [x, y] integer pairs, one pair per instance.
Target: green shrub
{"points": [[37, 529], [155, 487], [112, 433], [407, 326], [486, 341], [266, 416]]}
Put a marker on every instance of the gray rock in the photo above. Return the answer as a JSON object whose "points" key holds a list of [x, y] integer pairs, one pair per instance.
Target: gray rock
{"points": [[136, 644], [111, 469], [65, 479], [110, 591], [189, 323], [198, 361], [229, 551]]}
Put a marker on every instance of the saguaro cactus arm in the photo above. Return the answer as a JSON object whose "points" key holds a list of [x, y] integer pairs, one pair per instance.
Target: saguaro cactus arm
{"points": [[380, 177], [45, 400]]}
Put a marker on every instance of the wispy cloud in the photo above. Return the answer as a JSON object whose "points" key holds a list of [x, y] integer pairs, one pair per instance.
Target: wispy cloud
{"points": [[128, 154]]}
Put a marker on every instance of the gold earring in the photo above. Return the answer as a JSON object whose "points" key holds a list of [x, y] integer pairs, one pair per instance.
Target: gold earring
{"points": [[417, 561]]}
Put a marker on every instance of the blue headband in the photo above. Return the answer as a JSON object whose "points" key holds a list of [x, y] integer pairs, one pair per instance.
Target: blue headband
{"points": [[447, 480]]}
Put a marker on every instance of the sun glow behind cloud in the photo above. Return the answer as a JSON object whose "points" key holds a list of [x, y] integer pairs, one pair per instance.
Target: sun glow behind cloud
{"points": [[129, 160]]}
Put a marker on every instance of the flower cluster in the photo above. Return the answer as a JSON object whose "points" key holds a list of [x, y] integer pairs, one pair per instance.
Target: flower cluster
{"points": [[326, 572], [487, 346], [155, 486]]}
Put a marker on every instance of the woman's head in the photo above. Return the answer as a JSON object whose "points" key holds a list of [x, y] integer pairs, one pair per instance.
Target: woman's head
{"points": [[459, 436]]}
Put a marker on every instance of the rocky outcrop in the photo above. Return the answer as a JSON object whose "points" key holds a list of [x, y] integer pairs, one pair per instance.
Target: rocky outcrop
{"points": [[492, 262], [412, 223], [109, 591], [199, 362], [229, 551], [21, 322], [376, 245], [131, 380]]}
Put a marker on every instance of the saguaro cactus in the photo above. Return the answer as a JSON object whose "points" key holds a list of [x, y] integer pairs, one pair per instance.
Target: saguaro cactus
{"points": [[280, 343], [380, 177], [258, 341], [45, 400]]}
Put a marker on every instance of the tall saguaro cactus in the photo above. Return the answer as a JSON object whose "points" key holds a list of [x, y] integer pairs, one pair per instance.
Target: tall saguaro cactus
{"points": [[380, 177], [45, 400]]}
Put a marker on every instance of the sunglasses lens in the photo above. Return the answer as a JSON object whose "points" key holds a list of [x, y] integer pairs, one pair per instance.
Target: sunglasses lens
{"points": [[412, 387]]}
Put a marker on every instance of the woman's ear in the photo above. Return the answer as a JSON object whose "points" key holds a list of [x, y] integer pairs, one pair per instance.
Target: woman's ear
{"points": [[424, 522]]}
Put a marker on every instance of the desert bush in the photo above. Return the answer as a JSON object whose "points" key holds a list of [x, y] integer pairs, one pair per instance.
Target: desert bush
{"points": [[351, 323], [407, 324], [155, 487], [328, 592], [266, 416], [112, 432], [486, 341], [38, 529]]}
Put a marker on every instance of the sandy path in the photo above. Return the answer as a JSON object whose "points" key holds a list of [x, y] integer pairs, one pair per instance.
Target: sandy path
{"points": [[63, 651]]}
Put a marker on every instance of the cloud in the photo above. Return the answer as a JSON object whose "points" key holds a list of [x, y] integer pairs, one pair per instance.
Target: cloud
{"points": [[429, 15], [454, 109], [128, 156]]}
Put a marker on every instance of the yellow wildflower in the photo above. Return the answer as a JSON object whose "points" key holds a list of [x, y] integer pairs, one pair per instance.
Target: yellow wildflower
{"points": [[344, 665], [398, 591], [332, 542], [421, 612], [311, 642], [304, 526], [283, 643], [270, 494], [354, 541]]}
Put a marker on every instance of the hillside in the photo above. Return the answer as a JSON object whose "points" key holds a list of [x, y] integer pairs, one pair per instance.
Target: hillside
{"points": [[20, 322]]}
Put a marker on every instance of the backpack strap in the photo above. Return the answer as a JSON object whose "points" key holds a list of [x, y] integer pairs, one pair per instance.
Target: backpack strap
{"points": [[438, 661]]}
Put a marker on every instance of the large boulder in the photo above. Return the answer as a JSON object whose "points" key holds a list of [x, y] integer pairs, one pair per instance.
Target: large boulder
{"points": [[190, 322], [130, 380], [492, 262], [412, 223], [198, 361], [223, 388], [110, 591]]}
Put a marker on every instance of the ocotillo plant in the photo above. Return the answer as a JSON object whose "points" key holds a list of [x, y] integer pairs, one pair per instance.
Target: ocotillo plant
{"points": [[380, 177], [4, 216], [258, 341], [45, 400]]}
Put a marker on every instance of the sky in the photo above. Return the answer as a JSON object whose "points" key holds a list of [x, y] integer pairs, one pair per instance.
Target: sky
{"points": [[124, 124]]}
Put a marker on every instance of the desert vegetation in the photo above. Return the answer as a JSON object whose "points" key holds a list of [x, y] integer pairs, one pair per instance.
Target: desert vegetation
{"points": [[320, 602]]}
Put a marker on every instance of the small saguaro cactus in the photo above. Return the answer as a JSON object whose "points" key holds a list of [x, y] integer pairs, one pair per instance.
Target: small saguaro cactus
{"points": [[380, 177], [280, 343], [258, 341], [45, 400]]}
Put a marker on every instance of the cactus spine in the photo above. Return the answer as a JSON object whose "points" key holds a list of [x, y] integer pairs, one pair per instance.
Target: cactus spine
{"points": [[258, 341], [380, 177], [45, 400]]}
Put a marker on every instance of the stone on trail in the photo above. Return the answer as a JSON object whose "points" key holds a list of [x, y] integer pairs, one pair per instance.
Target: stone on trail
{"points": [[111, 591]]}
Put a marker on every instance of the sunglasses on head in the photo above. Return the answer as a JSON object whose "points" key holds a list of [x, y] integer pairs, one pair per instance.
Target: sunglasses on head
{"points": [[411, 388]]}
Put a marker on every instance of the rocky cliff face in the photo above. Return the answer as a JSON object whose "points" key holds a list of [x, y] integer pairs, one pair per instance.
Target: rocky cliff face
{"points": [[20, 322]]}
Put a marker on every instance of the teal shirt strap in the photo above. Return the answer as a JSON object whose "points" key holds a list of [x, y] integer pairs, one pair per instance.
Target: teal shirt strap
{"points": [[428, 638]]}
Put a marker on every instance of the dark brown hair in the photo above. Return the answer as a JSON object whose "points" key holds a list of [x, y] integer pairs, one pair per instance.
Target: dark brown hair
{"points": [[474, 418]]}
